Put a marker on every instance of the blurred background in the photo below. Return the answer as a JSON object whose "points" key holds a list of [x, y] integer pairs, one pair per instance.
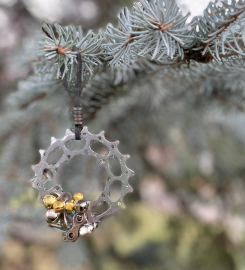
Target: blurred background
{"points": [[187, 150]]}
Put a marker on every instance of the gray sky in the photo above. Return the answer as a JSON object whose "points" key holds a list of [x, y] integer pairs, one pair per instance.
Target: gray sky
{"points": [[195, 7], [53, 10]]}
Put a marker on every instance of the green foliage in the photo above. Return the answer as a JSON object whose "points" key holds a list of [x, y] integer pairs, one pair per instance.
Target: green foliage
{"points": [[59, 48], [154, 30], [172, 92]]}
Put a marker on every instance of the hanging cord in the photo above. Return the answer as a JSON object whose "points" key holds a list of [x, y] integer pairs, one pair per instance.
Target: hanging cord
{"points": [[77, 109]]}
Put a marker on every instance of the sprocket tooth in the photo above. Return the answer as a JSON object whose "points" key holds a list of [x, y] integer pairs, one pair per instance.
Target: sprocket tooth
{"points": [[116, 143], [123, 206], [133, 173], [34, 185], [39, 199], [41, 152], [34, 167], [69, 132], [53, 140], [126, 156], [102, 133], [130, 189], [85, 129]]}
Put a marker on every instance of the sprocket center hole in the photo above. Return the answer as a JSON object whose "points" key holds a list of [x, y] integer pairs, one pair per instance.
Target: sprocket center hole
{"points": [[83, 173]]}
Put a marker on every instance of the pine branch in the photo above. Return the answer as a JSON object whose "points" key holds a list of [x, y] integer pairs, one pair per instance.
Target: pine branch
{"points": [[220, 31], [58, 48], [182, 98], [154, 30]]}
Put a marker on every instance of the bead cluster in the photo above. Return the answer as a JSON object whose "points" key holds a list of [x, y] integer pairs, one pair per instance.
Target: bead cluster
{"points": [[52, 202], [68, 215]]}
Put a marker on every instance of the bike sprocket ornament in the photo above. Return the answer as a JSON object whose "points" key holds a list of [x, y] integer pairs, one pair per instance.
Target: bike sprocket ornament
{"points": [[72, 214]]}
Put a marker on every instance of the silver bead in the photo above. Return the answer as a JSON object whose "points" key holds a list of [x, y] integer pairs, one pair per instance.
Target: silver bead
{"points": [[85, 230], [51, 215], [88, 228], [81, 206]]}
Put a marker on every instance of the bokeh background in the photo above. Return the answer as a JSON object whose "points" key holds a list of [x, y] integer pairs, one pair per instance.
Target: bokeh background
{"points": [[187, 150]]}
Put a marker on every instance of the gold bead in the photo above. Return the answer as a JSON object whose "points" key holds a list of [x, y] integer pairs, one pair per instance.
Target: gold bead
{"points": [[69, 206], [48, 201], [78, 196], [58, 206]]}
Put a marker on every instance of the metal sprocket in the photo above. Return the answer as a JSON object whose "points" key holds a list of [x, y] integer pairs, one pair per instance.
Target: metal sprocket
{"points": [[39, 184]]}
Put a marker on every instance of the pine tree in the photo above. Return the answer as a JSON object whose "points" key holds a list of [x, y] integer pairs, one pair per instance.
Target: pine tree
{"points": [[170, 90]]}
